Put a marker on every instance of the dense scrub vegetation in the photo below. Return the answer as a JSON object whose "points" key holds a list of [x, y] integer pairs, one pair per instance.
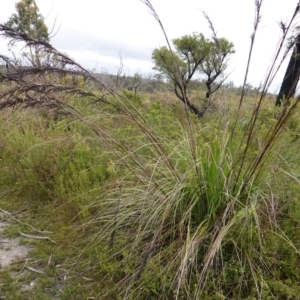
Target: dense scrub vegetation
{"points": [[177, 217], [139, 198]]}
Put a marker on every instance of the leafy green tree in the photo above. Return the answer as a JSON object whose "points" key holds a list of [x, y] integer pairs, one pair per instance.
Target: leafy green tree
{"points": [[29, 20], [215, 63], [193, 54]]}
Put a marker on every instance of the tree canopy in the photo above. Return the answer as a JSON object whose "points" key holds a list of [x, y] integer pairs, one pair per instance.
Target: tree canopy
{"points": [[193, 54], [29, 20]]}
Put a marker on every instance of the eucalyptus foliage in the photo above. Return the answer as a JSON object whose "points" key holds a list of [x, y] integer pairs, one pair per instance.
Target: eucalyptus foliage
{"points": [[193, 55], [27, 19]]}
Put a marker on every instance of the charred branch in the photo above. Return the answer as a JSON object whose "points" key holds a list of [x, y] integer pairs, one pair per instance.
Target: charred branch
{"points": [[291, 77]]}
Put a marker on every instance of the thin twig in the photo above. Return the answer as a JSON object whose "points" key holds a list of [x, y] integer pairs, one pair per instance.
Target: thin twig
{"points": [[36, 237]]}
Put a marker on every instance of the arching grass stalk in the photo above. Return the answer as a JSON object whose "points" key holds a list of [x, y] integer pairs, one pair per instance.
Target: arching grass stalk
{"points": [[193, 218]]}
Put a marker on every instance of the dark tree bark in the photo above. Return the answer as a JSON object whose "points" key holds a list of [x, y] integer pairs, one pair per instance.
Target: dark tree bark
{"points": [[291, 77], [182, 95]]}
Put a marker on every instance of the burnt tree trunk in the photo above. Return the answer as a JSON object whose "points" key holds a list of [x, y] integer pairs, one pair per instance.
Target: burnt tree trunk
{"points": [[291, 77]]}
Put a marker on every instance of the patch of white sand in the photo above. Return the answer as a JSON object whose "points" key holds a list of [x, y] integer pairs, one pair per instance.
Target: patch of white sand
{"points": [[10, 249]]}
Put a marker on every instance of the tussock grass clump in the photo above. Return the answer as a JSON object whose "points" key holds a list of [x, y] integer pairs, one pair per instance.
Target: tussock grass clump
{"points": [[163, 205]]}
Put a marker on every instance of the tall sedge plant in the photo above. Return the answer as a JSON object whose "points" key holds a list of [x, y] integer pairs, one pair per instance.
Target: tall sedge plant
{"points": [[189, 215]]}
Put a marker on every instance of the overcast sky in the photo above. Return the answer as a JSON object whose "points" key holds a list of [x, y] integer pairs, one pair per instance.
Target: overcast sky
{"points": [[97, 32]]}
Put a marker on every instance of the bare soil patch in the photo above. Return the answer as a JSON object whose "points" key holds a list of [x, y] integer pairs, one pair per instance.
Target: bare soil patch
{"points": [[10, 248]]}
